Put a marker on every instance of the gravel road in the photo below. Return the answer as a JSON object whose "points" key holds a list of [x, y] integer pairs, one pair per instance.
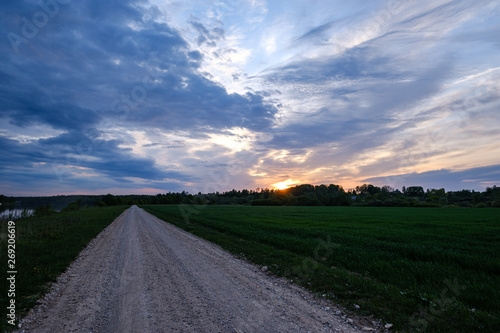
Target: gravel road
{"points": [[144, 275]]}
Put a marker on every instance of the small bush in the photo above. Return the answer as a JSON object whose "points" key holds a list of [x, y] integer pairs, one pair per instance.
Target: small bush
{"points": [[425, 204], [265, 202], [45, 210], [72, 206]]}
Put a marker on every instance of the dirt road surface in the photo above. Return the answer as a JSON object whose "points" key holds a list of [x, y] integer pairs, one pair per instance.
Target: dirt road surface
{"points": [[142, 274]]}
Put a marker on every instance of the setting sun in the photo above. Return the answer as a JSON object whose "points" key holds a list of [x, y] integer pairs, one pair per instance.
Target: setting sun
{"points": [[284, 185]]}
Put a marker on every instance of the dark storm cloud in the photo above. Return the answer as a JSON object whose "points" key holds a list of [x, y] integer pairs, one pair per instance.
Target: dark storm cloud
{"points": [[108, 49], [80, 151], [193, 101], [73, 65], [24, 155]]}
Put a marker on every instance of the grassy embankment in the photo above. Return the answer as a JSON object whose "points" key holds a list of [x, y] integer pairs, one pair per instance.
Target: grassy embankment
{"points": [[421, 269], [45, 246]]}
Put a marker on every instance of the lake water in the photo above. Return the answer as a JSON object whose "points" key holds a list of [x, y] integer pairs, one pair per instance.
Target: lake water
{"points": [[16, 213]]}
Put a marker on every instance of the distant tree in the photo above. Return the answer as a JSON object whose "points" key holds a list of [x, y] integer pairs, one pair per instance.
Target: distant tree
{"points": [[414, 191], [75, 205], [363, 189], [437, 196], [45, 210], [303, 195], [387, 189], [368, 189], [304, 189], [109, 200], [303, 200], [265, 202]]}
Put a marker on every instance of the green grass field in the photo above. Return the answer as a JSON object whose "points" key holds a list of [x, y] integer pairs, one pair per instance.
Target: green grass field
{"points": [[45, 246], [421, 269]]}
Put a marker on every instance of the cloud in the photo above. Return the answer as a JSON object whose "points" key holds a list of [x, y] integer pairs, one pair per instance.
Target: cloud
{"points": [[120, 52], [396, 95], [61, 156], [208, 36], [356, 94], [95, 66], [130, 93], [474, 178], [317, 31]]}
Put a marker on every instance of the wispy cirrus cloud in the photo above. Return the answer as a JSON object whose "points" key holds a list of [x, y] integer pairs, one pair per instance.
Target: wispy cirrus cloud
{"points": [[399, 88]]}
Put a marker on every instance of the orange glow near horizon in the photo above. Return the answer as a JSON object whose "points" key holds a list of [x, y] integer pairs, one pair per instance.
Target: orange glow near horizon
{"points": [[284, 185]]}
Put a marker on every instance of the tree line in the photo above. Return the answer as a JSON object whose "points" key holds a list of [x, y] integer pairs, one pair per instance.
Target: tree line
{"points": [[300, 195], [326, 195]]}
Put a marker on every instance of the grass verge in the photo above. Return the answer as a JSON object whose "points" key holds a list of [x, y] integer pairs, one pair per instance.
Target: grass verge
{"points": [[421, 269], [44, 248]]}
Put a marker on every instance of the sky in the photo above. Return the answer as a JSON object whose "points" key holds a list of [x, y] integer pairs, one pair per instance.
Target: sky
{"points": [[147, 97]]}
